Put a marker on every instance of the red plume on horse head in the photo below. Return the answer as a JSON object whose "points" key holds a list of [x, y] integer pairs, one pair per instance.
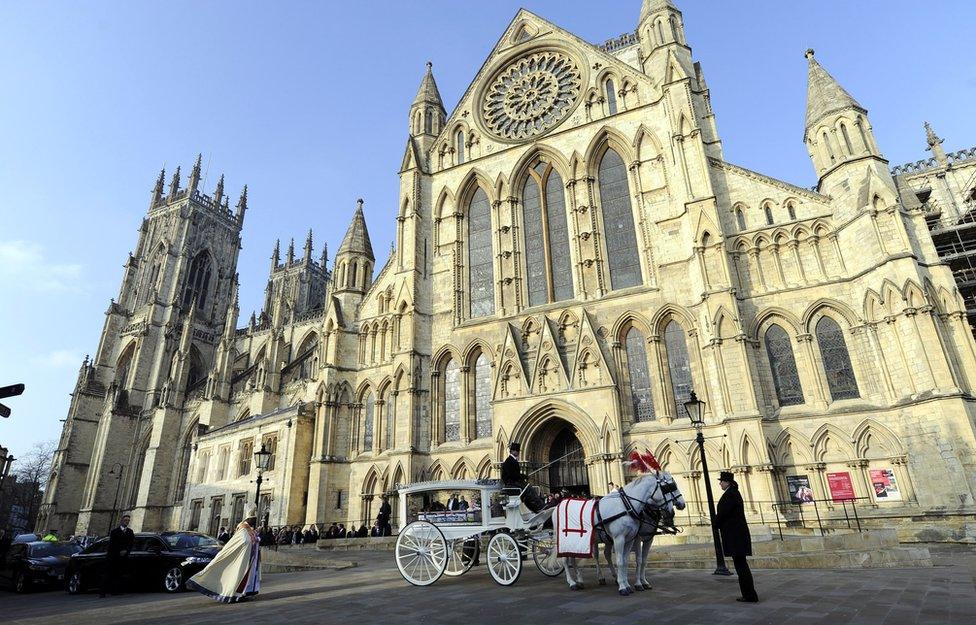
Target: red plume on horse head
{"points": [[637, 462], [650, 460]]}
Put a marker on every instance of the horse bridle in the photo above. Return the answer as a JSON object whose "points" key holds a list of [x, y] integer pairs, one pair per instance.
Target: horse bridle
{"points": [[648, 508]]}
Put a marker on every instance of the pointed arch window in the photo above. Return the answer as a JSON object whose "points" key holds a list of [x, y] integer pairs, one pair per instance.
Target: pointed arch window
{"points": [[836, 360], [864, 137], [428, 121], [791, 209], [679, 365], [459, 146], [481, 280], [369, 411], [786, 379], [198, 281], [740, 218], [548, 272], [452, 401], [482, 396], [391, 410], [611, 97], [828, 148], [768, 212], [640, 378], [618, 223], [847, 138]]}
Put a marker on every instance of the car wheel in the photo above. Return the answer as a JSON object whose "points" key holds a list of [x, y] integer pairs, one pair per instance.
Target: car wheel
{"points": [[173, 579], [75, 586], [21, 583]]}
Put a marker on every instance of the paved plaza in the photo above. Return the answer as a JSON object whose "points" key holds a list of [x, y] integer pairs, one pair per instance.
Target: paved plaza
{"points": [[373, 592]]}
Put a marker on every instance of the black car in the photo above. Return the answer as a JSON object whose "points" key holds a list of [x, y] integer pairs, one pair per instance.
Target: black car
{"points": [[157, 562], [34, 564]]}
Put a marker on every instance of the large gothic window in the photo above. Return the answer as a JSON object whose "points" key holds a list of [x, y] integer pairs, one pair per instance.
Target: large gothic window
{"points": [[549, 275], [783, 365], [481, 274], [482, 396], [369, 411], [836, 360], [640, 379], [618, 223], [198, 281], [679, 366], [452, 401]]}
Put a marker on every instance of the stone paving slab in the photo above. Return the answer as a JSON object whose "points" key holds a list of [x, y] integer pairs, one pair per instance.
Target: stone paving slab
{"points": [[374, 592]]}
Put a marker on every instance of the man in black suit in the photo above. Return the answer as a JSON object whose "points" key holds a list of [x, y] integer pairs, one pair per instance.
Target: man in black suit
{"points": [[512, 477], [386, 511], [730, 518], [116, 561]]}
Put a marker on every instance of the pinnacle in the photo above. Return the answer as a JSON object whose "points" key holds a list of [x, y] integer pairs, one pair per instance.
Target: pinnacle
{"points": [[824, 93], [653, 6], [356, 240], [428, 92]]}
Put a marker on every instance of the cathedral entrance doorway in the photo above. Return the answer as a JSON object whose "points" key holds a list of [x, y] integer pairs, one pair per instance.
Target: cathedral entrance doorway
{"points": [[556, 456]]}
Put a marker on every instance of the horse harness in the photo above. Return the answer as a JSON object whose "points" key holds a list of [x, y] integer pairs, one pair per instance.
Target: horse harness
{"points": [[649, 514]]}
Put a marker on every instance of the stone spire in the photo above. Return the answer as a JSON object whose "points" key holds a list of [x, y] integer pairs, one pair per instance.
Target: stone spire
{"points": [[219, 193], [308, 247], [427, 114], [325, 255], [195, 174], [276, 255], [291, 251], [356, 240], [242, 205], [428, 92], [158, 189], [649, 7], [824, 94], [935, 145], [174, 184]]}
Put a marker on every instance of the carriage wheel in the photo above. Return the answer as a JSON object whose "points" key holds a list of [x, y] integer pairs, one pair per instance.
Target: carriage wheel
{"points": [[421, 553], [461, 554], [504, 559], [544, 555]]}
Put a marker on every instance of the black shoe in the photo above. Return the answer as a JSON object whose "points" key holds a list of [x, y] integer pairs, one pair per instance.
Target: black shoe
{"points": [[744, 600]]}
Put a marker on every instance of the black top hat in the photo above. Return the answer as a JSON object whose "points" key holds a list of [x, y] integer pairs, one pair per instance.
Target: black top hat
{"points": [[726, 476], [516, 447]]}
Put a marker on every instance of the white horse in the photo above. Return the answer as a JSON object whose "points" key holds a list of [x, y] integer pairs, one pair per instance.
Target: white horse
{"points": [[657, 522], [618, 515]]}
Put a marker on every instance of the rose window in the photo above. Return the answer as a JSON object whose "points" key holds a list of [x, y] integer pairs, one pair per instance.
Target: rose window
{"points": [[532, 95]]}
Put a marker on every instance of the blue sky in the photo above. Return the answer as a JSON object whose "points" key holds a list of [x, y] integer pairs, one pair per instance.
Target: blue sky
{"points": [[306, 102]]}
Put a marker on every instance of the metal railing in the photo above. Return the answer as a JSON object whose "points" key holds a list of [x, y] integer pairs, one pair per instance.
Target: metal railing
{"points": [[823, 515]]}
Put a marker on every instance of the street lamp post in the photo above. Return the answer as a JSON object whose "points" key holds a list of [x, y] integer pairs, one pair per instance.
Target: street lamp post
{"points": [[696, 412], [261, 459], [118, 488]]}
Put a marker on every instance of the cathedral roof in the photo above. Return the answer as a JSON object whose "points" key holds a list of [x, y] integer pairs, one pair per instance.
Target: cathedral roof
{"points": [[356, 240], [428, 92], [824, 93]]}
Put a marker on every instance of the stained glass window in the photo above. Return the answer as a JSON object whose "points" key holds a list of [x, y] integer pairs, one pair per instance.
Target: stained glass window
{"points": [[368, 412], [535, 263], [482, 396], [559, 263], [611, 98], [481, 274], [452, 402], [640, 379], [783, 365], [391, 406], [198, 281], [836, 360], [618, 222], [679, 365]]}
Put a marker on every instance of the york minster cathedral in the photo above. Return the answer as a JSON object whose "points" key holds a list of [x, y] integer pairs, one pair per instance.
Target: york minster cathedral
{"points": [[573, 258]]}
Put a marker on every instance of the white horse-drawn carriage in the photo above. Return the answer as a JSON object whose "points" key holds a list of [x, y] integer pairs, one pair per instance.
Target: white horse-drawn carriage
{"points": [[442, 531], [436, 540]]}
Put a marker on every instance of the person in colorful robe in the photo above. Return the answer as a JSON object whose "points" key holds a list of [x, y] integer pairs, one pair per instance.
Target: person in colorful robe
{"points": [[235, 574]]}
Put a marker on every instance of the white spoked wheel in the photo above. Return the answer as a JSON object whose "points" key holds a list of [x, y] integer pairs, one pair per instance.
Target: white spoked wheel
{"points": [[504, 559], [544, 555], [461, 554], [421, 553]]}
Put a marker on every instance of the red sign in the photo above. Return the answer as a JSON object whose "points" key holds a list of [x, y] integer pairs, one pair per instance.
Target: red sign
{"points": [[841, 487]]}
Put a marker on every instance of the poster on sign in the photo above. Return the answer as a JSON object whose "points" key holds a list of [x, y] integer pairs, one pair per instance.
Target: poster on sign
{"points": [[841, 486], [885, 485], [799, 487]]}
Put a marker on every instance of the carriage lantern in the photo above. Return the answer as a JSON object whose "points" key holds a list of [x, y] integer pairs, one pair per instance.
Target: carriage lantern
{"points": [[696, 412]]}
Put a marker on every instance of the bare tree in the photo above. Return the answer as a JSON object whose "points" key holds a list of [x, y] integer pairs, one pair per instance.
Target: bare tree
{"points": [[31, 473]]}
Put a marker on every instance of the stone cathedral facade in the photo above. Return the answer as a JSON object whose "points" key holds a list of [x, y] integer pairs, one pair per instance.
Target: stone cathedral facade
{"points": [[573, 257]]}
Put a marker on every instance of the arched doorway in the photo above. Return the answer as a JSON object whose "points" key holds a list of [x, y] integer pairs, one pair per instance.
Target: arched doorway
{"points": [[556, 459]]}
